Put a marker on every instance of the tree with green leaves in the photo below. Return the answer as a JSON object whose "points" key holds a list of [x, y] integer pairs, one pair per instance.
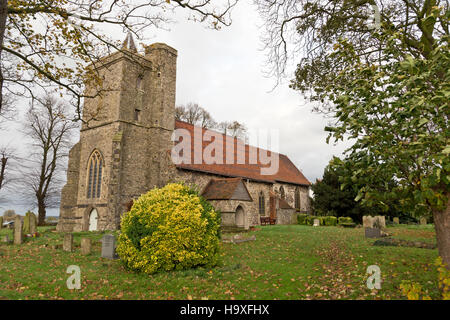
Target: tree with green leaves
{"points": [[398, 115], [304, 33], [337, 193], [387, 87]]}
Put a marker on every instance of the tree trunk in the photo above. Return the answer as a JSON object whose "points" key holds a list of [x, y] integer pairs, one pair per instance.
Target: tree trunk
{"points": [[442, 226], [41, 213], [3, 162], [3, 16]]}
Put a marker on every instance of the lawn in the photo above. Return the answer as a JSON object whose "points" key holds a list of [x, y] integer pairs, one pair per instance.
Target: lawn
{"points": [[284, 262]]}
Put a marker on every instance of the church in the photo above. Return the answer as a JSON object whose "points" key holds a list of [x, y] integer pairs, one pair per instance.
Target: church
{"points": [[126, 148]]}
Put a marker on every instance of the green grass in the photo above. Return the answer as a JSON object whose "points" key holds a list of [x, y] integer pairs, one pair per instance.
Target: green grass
{"points": [[285, 262]]}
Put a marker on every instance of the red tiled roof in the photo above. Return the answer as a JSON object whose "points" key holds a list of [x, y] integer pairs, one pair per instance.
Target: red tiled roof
{"points": [[287, 171], [224, 189]]}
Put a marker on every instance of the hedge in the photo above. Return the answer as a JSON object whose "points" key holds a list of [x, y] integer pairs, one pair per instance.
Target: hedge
{"points": [[304, 219]]}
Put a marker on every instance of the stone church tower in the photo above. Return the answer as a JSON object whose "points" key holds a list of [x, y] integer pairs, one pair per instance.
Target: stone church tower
{"points": [[124, 147]]}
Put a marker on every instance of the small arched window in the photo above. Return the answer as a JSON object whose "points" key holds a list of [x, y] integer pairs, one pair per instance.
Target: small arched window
{"points": [[297, 198], [262, 204], [282, 194], [95, 166]]}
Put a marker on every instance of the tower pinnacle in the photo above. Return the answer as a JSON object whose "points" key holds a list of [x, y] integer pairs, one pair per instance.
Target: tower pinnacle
{"points": [[128, 43]]}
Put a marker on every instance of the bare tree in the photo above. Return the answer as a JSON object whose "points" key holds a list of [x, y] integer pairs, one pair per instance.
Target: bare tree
{"points": [[206, 120], [232, 128], [7, 166], [49, 127], [194, 114], [180, 112], [47, 44], [5, 155]]}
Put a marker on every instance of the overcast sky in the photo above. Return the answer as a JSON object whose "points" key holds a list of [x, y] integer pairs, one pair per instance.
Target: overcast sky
{"points": [[223, 72]]}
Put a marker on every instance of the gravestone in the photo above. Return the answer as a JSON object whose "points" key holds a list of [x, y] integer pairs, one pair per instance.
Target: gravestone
{"points": [[381, 221], [372, 232], [85, 246], [68, 242], [396, 220], [316, 223], [377, 221], [29, 223], [33, 222], [423, 220], [367, 222], [109, 247], [18, 232]]}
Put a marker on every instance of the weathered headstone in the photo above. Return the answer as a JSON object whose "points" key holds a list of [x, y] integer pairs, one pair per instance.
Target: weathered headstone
{"points": [[18, 232], [85, 246], [316, 223], [68, 242], [374, 222], [29, 223], [396, 220], [372, 232], [423, 220], [109, 247], [33, 223], [367, 222], [381, 221]]}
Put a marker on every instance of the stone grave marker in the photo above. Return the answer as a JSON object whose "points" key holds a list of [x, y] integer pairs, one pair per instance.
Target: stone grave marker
{"points": [[372, 222], [68, 242], [85, 246], [18, 232], [29, 223], [316, 223], [372, 232], [33, 223], [396, 220], [367, 222], [109, 247], [423, 221]]}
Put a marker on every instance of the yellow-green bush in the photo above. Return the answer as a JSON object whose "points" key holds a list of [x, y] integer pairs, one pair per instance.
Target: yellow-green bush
{"points": [[169, 228], [301, 218], [330, 221], [414, 291]]}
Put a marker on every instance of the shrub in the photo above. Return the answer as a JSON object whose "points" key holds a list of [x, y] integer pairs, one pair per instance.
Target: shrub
{"points": [[413, 291], [169, 228], [310, 220], [330, 221], [345, 220], [301, 218]]}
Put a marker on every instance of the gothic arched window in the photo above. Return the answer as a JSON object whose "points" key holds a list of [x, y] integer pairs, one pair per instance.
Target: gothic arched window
{"points": [[262, 204], [297, 198], [95, 166], [282, 194]]}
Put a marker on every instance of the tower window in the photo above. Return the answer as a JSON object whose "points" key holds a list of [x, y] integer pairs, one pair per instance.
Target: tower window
{"points": [[137, 115], [95, 167]]}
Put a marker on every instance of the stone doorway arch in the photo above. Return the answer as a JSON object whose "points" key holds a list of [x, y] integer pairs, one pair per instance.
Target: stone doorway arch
{"points": [[241, 218], [93, 220]]}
